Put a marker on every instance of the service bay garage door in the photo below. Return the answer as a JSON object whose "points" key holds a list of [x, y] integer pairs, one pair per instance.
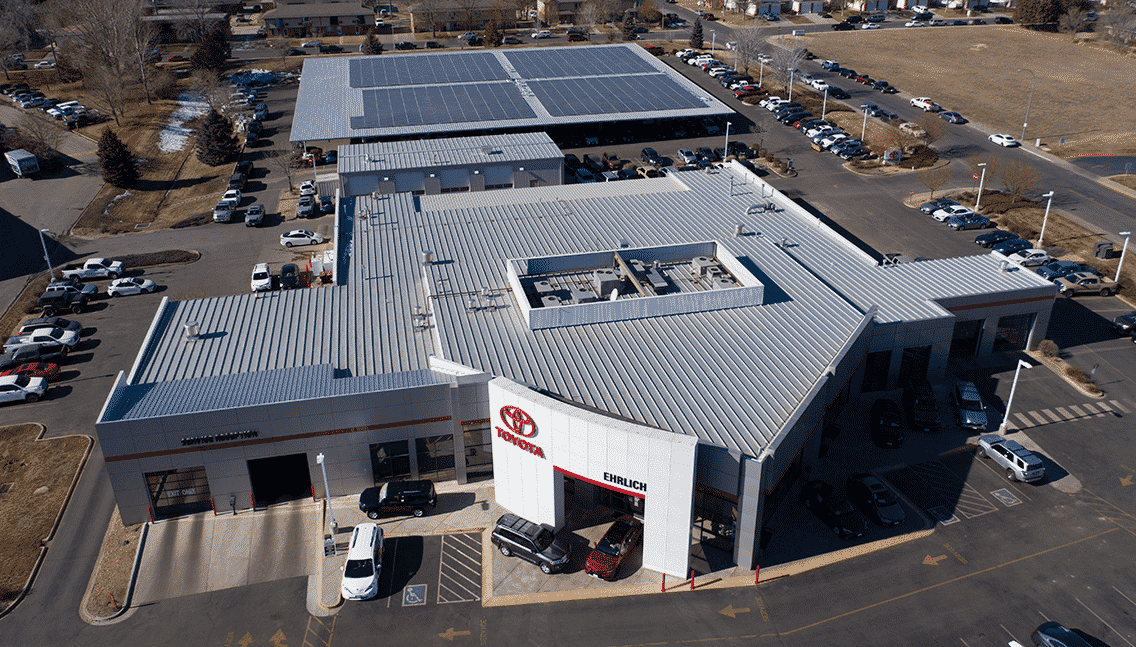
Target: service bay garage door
{"points": [[411, 181], [499, 177], [455, 180]]}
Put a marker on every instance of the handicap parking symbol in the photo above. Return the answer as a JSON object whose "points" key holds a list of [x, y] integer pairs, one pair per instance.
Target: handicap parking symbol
{"points": [[414, 595]]}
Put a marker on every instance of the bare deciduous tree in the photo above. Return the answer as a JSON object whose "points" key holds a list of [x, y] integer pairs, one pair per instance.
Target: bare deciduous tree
{"points": [[935, 178], [588, 15], [18, 22], [1019, 178], [427, 15], [195, 23], [750, 42], [1074, 20], [784, 61], [1119, 25], [41, 135], [469, 12], [934, 127], [285, 162]]}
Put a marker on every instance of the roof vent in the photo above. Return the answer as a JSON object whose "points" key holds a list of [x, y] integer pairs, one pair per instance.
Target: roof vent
{"points": [[550, 300], [1004, 266], [191, 333], [427, 257], [699, 265], [739, 230]]}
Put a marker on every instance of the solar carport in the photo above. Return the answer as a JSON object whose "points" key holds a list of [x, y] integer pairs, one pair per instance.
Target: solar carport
{"points": [[405, 95]]}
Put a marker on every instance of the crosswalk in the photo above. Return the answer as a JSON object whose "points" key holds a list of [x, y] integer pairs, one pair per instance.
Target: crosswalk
{"points": [[1069, 412]]}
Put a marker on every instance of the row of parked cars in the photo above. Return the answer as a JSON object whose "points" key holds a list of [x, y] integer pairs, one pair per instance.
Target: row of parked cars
{"points": [[24, 367], [824, 135], [73, 113], [742, 85], [960, 217]]}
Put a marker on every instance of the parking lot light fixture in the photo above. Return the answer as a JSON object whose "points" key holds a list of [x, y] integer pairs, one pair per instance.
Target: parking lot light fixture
{"points": [[1033, 80], [864, 127], [326, 490], [981, 182], [1045, 220], [792, 75], [727, 144], [760, 72], [824, 105], [1123, 250], [1010, 401], [46, 257], [713, 37]]}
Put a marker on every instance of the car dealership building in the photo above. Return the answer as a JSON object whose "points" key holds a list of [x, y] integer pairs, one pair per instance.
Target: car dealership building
{"points": [[674, 348]]}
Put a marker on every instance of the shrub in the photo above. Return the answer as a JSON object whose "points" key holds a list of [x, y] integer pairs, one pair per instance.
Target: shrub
{"points": [[1048, 348], [1077, 375], [762, 153]]}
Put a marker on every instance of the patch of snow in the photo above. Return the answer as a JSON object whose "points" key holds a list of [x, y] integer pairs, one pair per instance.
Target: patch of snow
{"points": [[175, 135]]}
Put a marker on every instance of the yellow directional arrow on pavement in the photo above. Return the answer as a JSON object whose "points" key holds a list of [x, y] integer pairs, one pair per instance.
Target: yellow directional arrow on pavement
{"points": [[732, 612], [1126, 481], [450, 633], [245, 640], [278, 638], [933, 561]]}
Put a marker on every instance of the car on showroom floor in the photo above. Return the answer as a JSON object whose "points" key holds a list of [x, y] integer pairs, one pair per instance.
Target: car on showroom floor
{"points": [[613, 548]]}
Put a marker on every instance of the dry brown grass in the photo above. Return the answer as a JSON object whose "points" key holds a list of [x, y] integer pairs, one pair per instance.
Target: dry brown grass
{"points": [[1125, 180], [115, 565], [973, 70], [27, 464]]}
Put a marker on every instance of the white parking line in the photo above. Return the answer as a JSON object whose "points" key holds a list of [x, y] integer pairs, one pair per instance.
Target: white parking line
{"points": [[1105, 623], [1052, 416], [1040, 419], [1063, 411], [1119, 406], [1091, 409], [1077, 410], [1124, 596], [1026, 422]]}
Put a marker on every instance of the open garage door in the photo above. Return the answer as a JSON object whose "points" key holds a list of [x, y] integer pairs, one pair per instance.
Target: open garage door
{"points": [[415, 181], [499, 177], [279, 479]]}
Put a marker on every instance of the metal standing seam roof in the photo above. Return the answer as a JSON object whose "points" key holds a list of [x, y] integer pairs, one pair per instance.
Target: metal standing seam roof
{"points": [[347, 97], [437, 153], [731, 377]]}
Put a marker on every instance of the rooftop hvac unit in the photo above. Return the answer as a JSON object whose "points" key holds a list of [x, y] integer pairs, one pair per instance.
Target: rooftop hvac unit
{"points": [[604, 280], [550, 301], [543, 287], [721, 283], [700, 264], [191, 333], [427, 257]]}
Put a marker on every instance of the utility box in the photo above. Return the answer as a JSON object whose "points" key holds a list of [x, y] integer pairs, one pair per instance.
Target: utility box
{"points": [[1103, 250]]}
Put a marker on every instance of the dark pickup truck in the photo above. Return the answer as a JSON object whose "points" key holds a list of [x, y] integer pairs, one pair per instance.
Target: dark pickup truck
{"points": [[54, 303], [28, 355]]}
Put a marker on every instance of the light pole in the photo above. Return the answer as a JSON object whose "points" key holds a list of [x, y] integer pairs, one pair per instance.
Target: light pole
{"points": [[864, 128], [792, 73], [1033, 79], [1119, 265], [980, 183], [45, 256], [824, 105], [1010, 402], [726, 150], [761, 73], [714, 36], [1045, 220], [326, 490]]}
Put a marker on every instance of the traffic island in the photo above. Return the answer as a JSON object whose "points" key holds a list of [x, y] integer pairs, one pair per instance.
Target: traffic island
{"points": [[37, 477], [112, 582]]}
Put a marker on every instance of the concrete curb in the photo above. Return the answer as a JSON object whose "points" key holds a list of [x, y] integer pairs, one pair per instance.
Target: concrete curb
{"points": [[1107, 183], [58, 517], [126, 610]]}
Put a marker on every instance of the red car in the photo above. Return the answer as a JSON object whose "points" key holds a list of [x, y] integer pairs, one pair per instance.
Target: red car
{"points": [[617, 543], [176, 57], [35, 369]]}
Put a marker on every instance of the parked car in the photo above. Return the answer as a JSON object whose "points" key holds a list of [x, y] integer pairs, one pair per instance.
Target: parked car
{"points": [[48, 372], [613, 548], [1020, 463], [37, 323], [131, 285], [834, 510], [412, 497], [993, 238], [878, 503], [1059, 269], [885, 87], [921, 406], [533, 543], [687, 156], [914, 23], [1003, 20], [433, 44], [511, 40], [947, 212], [306, 207], [300, 237], [327, 205], [952, 117], [1054, 634], [968, 406], [1030, 257], [261, 277], [544, 33], [1008, 247], [1125, 324], [885, 423], [1004, 140], [973, 221], [289, 276], [364, 563], [404, 45], [838, 93], [21, 388]]}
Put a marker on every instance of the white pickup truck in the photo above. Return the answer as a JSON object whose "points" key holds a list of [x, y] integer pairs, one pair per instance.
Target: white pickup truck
{"points": [[925, 104], [94, 268]]}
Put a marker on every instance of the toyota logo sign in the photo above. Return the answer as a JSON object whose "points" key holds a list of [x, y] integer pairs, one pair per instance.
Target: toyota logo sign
{"points": [[518, 421]]}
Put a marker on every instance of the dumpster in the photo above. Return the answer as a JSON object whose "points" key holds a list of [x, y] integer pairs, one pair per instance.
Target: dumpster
{"points": [[1103, 250]]}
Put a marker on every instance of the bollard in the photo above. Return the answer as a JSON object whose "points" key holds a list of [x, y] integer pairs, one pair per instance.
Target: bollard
{"points": [[692, 579], [313, 494], [150, 511], [213, 505], [756, 575], [112, 601], [664, 590], [252, 501]]}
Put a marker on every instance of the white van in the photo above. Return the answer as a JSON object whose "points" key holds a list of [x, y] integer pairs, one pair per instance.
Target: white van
{"points": [[364, 561]]}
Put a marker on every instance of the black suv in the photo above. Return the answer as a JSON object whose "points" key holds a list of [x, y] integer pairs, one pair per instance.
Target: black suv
{"points": [[922, 408], [398, 496], [516, 536], [53, 303]]}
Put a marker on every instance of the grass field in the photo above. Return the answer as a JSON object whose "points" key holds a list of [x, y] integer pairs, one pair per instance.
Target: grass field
{"points": [[1078, 95]]}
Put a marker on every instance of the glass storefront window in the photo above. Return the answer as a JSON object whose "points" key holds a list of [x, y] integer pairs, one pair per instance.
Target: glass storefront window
{"points": [[390, 461], [436, 457]]}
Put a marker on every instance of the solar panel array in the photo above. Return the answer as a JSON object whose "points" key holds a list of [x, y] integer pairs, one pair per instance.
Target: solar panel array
{"points": [[386, 71], [577, 61], [446, 104], [612, 95]]}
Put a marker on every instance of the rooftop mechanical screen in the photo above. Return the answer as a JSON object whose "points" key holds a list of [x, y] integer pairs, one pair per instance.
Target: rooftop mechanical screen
{"points": [[433, 93]]}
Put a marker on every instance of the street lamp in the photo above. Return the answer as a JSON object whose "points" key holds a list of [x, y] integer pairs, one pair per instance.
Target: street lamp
{"points": [[45, 256], [761, 73], [1010, 402], [824, 105], [980, 183], [792, 73], [326, 490], [726, 150], [1119, 265], [714, 36], [1045, 220], [1033, 79], [864, 127]]}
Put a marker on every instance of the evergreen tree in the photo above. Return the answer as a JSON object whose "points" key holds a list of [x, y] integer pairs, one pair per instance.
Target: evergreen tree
{"points": [[696, 34], [211, 53], [372, 46], [120, 167], [628, 27], [1038, 14], [493, 36], [216, 143]]}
